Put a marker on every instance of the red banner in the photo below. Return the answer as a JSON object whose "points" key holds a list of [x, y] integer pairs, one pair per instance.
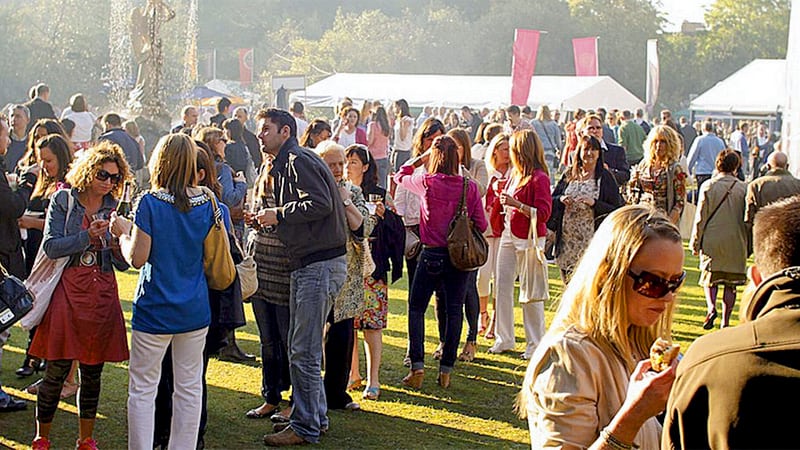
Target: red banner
{"points": [[526, 45], [246, 66], [586, 61]]}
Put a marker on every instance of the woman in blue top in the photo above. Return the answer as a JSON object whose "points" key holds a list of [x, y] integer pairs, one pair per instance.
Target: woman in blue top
{"points": [[170, 305]]}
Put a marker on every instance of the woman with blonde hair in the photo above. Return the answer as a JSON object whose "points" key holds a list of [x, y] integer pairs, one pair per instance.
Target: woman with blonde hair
{"points": [[660, 179], [498, 165], [83, 321], [171, 304], [587, 384], [526, 194]]}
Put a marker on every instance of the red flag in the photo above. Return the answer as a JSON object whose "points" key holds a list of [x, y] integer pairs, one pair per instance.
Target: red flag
{"points": [[586, 61], [245, 66], [526, 45]]}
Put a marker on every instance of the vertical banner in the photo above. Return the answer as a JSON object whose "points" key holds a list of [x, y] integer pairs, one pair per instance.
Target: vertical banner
{"points": [[586, 61], [526, 46], [790, 132], [652, 75], [246, 66]]}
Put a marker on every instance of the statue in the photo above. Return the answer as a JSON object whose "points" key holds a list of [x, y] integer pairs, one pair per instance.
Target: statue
{"points": [[145, 98]]}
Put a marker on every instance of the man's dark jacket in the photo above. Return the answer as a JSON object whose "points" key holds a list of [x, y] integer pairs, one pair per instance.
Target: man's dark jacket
{"points": [[131, 148]]}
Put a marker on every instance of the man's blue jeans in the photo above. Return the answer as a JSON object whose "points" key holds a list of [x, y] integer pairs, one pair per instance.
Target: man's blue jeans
{"points": [[312, 291]]}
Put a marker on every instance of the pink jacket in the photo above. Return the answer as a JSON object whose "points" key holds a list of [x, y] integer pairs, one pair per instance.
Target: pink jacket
{"points": [[535, 193], [440, 195]]}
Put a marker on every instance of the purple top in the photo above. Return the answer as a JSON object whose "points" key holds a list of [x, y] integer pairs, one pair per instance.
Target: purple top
{"points": [[440, 195]]}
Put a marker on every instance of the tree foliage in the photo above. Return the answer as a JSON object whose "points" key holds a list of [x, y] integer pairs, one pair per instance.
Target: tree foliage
{"points": [[65, 42]]}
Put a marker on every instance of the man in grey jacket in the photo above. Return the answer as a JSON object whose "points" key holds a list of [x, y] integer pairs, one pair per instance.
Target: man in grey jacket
{"points": [[310, 221]]}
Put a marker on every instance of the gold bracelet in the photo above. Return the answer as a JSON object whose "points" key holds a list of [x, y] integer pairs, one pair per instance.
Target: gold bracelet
{"points": [[615, 443]]}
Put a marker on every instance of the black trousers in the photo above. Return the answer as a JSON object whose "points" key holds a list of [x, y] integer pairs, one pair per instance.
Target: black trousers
{"points": [[338, 357]]}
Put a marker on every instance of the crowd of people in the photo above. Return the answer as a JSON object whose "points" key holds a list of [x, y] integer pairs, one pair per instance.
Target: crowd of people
{"points": [[333, 211]]}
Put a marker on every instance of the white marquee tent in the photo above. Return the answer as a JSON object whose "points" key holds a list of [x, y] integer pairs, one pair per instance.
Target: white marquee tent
{"points": [[757, 89], [564, 93]]}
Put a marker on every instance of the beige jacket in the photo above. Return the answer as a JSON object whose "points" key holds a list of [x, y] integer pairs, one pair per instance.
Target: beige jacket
{"points": [[577, 389], [724, 237]]}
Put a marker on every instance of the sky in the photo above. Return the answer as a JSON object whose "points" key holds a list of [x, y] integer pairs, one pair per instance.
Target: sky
{"points": [[679, 10]]}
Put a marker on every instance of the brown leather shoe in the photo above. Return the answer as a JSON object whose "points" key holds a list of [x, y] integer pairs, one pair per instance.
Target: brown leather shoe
{"points": [[444, 380], [414, 378], [278, 427], [284, 438]]}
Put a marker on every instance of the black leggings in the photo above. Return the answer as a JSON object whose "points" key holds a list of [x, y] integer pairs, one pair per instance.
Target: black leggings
{"points": [[50, 389]]}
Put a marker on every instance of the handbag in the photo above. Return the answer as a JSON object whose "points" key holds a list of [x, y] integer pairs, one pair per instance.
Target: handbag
{"points": [[217, 260], [248, 273], [15, 300], [467, 247], [533, 279], [45, 275], [413, 244]]}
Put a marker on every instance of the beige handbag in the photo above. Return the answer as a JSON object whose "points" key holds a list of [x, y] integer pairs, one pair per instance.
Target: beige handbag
{"points": [[533, 278]]}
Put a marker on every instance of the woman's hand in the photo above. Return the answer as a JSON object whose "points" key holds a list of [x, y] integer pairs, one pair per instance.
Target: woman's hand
{"points": [[119, 225], [587, 201], [98, 228], [240, 177], [345, 193], [380, 210], [30, 222], [648, 391]]}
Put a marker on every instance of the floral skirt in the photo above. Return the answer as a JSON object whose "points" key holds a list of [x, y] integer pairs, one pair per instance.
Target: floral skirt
{"points": [[376, 305]]}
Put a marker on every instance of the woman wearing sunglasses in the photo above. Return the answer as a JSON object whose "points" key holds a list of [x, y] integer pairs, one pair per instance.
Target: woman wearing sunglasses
{"points": [[589, 382], [84, 320]]}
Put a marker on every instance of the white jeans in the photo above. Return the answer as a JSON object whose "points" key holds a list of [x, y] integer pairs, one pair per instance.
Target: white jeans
{"points": [[508, 259], [147, 352], [487, 271]]}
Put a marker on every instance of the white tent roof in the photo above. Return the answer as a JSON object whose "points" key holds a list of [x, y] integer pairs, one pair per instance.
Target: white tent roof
{"points": [[454, 91], [757, 88]]}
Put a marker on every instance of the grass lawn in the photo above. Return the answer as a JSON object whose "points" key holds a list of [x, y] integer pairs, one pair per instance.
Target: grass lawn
{"points": [[475, 412]]}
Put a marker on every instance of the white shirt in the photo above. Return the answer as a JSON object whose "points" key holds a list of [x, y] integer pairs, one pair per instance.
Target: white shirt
{"points": [[301, 126]]}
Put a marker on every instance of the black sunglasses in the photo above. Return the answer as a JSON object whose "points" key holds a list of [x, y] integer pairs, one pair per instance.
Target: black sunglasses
{"points": [[103, 175], [653, 286], [432, 130]]}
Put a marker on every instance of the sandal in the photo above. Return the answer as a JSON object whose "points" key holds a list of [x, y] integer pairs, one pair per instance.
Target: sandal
{"points": [[371, 393], [69, 389], [484, 324], [468, 354], [355, 385], [257, 413], [437, 354]]}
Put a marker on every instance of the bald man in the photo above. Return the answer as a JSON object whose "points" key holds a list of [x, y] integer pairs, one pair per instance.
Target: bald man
{"points": [[776, 184]]}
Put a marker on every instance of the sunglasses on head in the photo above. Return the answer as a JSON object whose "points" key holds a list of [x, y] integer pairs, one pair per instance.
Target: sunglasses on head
{"points": [[653, 286], [103, 175], [432, 130]]}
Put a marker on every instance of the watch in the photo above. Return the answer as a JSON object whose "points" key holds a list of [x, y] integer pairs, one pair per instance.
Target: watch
{"points": [[347, 202]]}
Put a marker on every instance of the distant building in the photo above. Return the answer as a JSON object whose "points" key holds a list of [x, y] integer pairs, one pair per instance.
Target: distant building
{"points": [[692, 27]]}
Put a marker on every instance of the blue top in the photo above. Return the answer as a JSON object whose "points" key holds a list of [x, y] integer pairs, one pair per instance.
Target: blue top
{"points": [[172, 293], [703, 154]]}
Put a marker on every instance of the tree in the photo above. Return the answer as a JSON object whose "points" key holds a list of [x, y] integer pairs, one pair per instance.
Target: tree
{"points": [[624, 26]]}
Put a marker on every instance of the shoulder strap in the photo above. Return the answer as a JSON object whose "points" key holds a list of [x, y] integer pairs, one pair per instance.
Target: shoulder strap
{"points": [[546, 134], [462, 205], [711, 216]]}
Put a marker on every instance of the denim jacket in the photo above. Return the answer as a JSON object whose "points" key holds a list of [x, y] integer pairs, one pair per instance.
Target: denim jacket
{"points": [[69, 239]]}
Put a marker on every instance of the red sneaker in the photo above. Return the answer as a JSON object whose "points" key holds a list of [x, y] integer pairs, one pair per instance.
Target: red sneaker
{"points": [[86, 444], [40, 443]]}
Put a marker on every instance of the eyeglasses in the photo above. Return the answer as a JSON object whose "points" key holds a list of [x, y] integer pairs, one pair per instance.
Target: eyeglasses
{"points": [[653, 286], [590, 128], [103, 175]]}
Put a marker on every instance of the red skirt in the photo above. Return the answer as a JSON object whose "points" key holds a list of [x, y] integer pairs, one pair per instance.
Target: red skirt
{"points": [[84, 320]]}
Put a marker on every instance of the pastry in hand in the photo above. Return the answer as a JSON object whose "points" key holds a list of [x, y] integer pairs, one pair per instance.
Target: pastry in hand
{"points": [[662, 353]]}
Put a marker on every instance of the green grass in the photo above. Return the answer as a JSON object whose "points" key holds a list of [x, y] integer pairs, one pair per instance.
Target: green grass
{"points": [[475, 412]]}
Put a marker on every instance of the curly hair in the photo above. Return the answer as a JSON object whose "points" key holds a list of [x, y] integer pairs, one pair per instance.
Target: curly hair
{"points": [[84, 169], [670, 137]]}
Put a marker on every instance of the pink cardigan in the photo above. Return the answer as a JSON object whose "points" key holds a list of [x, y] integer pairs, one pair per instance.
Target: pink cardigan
{"points": [[536, 193], [440, 195]]}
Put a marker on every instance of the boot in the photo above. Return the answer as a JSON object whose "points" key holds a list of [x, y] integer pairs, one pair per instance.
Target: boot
{"points": [[232, 352]]}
